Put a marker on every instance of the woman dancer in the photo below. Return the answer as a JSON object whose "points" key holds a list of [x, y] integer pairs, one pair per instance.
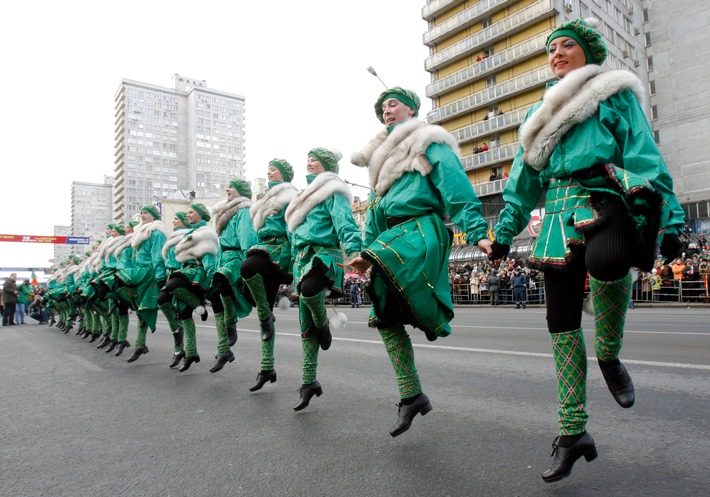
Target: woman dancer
{"points": [[268, 263], [609, 201], [321, 223]]}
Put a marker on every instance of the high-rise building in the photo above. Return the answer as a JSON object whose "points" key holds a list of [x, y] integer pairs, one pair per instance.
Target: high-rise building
{"points": [[61, 251], [677, 50], [91, 209], [174, 142], [488, 66]]}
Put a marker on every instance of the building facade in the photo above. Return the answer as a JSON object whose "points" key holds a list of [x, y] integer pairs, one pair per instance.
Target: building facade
{"points": [[169, 141], [61, 251], [488, 66], [91, 209]]}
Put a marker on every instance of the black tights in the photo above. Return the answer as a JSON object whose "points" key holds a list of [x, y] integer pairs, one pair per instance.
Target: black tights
{"points": [[178, 280], [261, 263], [606, 256]]}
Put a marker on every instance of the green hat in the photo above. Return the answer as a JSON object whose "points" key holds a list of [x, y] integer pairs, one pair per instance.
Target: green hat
{"points": [[120, 228], [202, 210], [584, 32], [407, 97], [329, 158], [152, 210], [242, 186], [182, 216], [285, 168], [133, 223]]}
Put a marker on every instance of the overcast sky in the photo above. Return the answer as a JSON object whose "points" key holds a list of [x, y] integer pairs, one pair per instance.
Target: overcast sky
{"points": [[301, 66]]}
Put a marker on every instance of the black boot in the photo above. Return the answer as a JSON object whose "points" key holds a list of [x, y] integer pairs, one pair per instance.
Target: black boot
{"points": [[267, 328], [565, 457], [262, 378], [406, 414], [324, 336], [105, 340], [177, 357], [232, 334], [188, 362], [306, 392], [121, 347], [222, 360], [94, 337], [112, 345], [139, 351], [619, 382]]}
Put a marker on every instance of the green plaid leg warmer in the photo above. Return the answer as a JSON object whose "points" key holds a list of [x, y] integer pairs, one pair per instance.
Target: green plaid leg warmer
{"points": [[319, 312], [570, 356], [399, 348], [142, 333], [116, 323], [610, 300], [230, 310], [258, 292], [190, 337], [187, 296], [222, 341], [309, 342], [122, 334], [170, 315], [267, 352]]}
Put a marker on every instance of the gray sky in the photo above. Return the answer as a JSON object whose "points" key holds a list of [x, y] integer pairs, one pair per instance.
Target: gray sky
{"points": [[300, 65]]}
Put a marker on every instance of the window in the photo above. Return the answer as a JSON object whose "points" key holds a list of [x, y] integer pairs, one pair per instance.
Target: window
{"points": [[647, 39], [652, 87], [656, 137], [645, 15], [654, 112], [649, 63]]}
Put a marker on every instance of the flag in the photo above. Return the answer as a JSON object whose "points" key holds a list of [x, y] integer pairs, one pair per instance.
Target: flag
{"points": [[34, 279]]}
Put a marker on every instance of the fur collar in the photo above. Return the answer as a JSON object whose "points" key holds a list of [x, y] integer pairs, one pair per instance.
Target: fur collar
{"points": [[173, 240], [106, 248], [198, 243], [323, 186], [390, 155], [143, 231], [95, 264], [225, 209], [571, 101], [271, 204], [125, 242]]}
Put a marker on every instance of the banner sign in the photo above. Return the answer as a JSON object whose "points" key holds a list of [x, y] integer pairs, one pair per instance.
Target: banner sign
{"points": [[58, 240]]}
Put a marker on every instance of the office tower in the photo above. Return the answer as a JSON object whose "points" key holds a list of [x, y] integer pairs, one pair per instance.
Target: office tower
{"points": [[91, 209], [180, 142]]}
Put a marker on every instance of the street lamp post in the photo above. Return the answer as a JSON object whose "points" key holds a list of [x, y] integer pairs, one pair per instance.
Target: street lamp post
{"points": [[372, 71]]}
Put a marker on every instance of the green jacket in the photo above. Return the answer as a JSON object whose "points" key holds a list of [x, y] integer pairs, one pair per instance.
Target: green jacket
{"points": [[617, 133]]}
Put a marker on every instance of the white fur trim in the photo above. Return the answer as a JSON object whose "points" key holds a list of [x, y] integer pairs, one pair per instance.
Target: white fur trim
{"points": [[225, 209], [143, 231], [272, 203], [324, 186], [125, 242], [198, 243], [173, 240], [390, 155], [571, 101]]}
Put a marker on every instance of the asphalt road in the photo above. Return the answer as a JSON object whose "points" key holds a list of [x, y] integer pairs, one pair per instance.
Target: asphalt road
{"points": [[78, 422]]}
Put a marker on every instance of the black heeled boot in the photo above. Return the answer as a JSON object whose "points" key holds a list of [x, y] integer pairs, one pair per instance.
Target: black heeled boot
{"points": [[406, 414], [222, 360], [306, 392], [267, 328], [188, 362], [262, 378], [121, 347], [94, 337], [324, 336], [177, 357], [619, 382], [565, 457], [139, 351], [105, 340], [232, 334], [112, 345]]}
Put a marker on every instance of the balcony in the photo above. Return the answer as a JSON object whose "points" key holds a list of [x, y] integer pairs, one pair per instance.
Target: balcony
{"points": [[497, 31], [463, 19], [438, 7], [506, 58], [490, 187], [496, 124], [494, 156], [483, 98]]}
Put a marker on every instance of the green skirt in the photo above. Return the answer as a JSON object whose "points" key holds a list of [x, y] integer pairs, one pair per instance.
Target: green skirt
{"points": [[411, 260]]}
